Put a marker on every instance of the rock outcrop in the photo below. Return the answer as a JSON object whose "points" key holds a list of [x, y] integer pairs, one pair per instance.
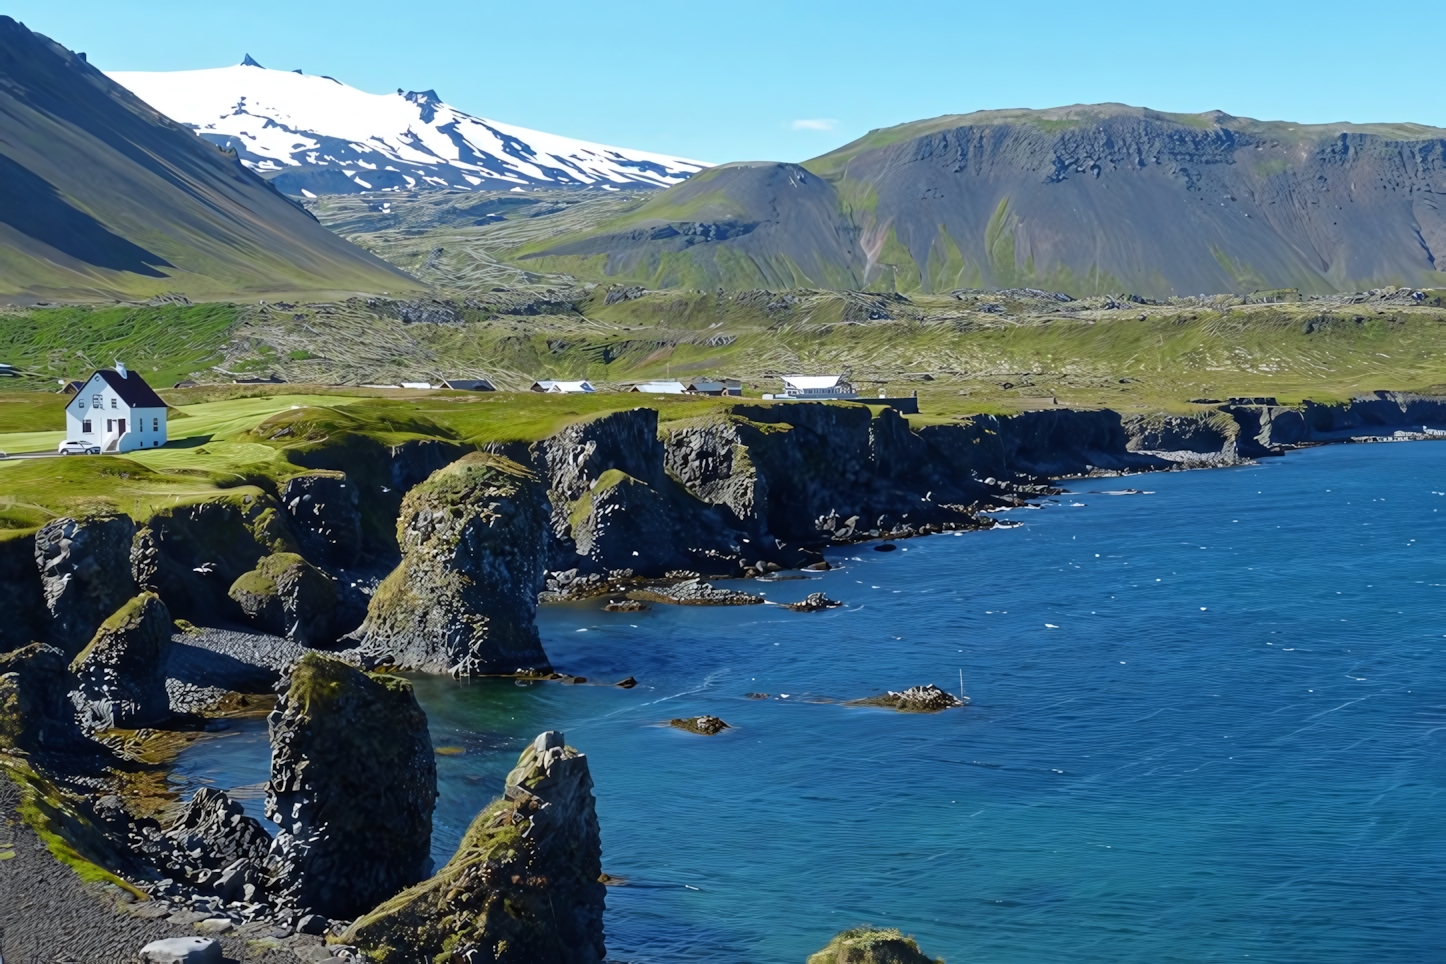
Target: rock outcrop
{"points": [[226, 848], [36, 714], [192, 554], [353, 784], [121, 673], [615, 507], [325, 513], [915, 699], [287, 596], [523, 887], [871, 945], [85, 573], [463, 599]]}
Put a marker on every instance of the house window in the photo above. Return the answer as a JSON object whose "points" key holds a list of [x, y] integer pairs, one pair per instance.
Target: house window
{"points": [[95, 401], [85, 426], [155, 425], [112, 403], [109, 424]]}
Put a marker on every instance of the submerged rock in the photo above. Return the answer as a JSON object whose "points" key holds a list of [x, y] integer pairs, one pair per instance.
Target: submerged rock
{"points": [[702, 725], [815, 602], [353, 784], [463, 600], [915, 699], [524, 886], [121, 673], [85, 573], [695, 592], [624, 606], [287, 596], [871, 945]]}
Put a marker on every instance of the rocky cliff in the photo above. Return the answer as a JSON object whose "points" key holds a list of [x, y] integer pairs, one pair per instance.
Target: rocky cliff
{"points": [[353, 783], [524, 886], [474, 548]]}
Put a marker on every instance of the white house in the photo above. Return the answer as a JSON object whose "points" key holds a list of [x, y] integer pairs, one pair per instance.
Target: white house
{"points": [[659, 388], [815, 387], [117, 411], [555, 387]]}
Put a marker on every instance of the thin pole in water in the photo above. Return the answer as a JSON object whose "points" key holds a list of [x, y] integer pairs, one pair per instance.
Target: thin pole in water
{"points": [[961, 684]]}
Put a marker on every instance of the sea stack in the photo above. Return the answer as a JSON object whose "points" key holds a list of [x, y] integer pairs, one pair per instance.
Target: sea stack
{"points": [[523, 887], [353, 784]]}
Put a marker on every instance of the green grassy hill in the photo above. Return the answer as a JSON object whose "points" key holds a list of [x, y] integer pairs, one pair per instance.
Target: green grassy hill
{"points": [[1093, 199], [103, 198]]}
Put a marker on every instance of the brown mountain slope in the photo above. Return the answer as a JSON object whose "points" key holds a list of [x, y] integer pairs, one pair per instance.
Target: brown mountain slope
{"points": [[1090, 199], [102, 197]]}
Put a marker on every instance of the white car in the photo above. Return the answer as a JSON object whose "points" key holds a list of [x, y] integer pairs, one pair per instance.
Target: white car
{"points": [[71, 447]]}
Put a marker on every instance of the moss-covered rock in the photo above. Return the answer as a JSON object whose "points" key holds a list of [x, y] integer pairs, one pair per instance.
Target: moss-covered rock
{"points": [[353, 784], [121, 673], [523, 887], [872, 945], [288, 596], [85, 573], [463, 599]]}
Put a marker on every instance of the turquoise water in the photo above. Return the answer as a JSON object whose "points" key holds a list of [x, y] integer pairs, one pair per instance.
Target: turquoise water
{"points": [[1207, 724]]}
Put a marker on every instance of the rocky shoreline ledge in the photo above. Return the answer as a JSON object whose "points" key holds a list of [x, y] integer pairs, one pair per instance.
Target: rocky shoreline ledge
{"points": [[125, 639]]}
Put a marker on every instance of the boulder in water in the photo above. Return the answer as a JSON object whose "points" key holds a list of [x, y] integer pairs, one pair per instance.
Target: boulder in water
{"points": [[915, 699], [871, 945], [524, 886]]}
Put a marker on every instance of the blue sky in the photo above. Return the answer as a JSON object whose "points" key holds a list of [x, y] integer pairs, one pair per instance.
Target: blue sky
{"points": [[789, 79]]}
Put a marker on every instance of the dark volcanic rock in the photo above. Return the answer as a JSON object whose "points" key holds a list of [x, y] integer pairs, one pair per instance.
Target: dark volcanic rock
{"points": [[695, 592], [474, 541], [523, 887], [121, 674], [287, 596], [217, 847], [325, 513], [22, 598], [35, 709], [85, 572], [353, 785]]}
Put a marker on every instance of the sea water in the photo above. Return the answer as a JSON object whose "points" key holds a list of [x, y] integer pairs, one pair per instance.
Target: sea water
{"points": [[1206, 723]]}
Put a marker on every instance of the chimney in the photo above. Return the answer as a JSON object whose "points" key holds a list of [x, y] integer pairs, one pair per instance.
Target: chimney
{"points": [[120, 368]]}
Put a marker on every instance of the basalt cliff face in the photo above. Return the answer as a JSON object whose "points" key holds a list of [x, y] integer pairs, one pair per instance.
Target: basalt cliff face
{"points": [[1089, 199]]}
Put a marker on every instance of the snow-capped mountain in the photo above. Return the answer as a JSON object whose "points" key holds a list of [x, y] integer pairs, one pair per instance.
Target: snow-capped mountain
{"points": [[315, 135]]}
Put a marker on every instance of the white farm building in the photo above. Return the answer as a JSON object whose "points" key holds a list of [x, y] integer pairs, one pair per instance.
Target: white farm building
{"points": [[819, 387], [117, 411]]}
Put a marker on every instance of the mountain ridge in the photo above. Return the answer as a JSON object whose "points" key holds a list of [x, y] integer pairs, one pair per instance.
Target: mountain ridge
{"points": [[314, 135], [102, 197], [1087, 199]]}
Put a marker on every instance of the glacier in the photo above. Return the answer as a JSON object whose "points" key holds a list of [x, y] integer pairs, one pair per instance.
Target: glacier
{"points": [[313, 135]]}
